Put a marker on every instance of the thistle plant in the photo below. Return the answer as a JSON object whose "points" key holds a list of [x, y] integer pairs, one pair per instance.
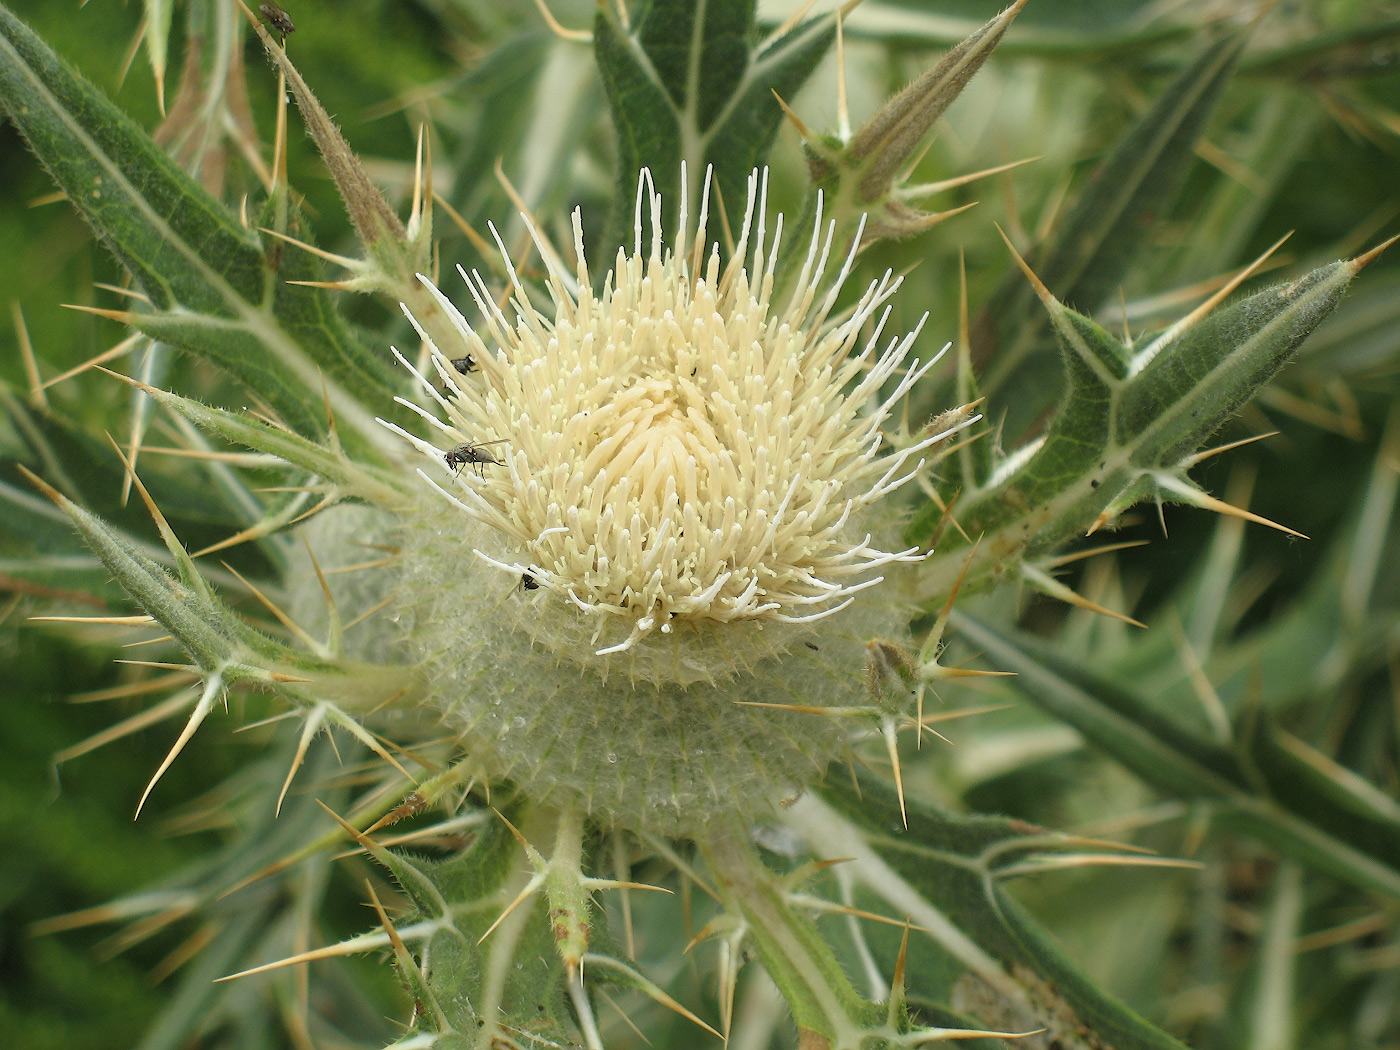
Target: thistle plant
{"points": [[657, 557]]}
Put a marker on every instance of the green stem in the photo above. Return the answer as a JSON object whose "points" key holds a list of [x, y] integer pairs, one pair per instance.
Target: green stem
{"points": [[563, 885], [795, 955], [501, 958]]}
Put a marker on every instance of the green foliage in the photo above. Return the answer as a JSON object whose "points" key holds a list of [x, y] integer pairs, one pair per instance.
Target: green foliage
{"points": [[1129, 424], [687, 85], [1083, 262], [211, 287], [954, 867], [1261, 779], [1241, 751]]}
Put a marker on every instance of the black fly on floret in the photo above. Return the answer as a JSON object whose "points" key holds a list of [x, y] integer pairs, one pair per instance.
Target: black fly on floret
{"points": [[463, 366], [279, 20], [472, 452], [529, 582]]}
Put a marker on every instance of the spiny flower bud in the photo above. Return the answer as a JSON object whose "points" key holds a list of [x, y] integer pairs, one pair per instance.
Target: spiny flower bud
{"points": [[680, 484]]}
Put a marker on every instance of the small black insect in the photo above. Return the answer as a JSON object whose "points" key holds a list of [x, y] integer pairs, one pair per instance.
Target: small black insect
{"points": [[812, 647], [465, 365], [529, 582], [279, 20], [472, 452]]}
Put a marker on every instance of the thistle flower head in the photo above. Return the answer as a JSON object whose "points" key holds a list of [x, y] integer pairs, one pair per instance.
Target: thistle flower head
{"points": [[677, 449], [678, 474]]}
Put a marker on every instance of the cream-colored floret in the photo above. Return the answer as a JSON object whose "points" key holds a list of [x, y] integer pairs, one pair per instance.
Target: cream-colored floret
{"points": [[676, 447]]}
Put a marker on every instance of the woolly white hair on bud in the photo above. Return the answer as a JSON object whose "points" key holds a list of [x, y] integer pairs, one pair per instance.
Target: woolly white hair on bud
{"points": [[679, 479]]}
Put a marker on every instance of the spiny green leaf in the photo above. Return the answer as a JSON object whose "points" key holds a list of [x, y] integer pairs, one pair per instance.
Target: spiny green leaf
{"points": [[1361, 338], [1031, 502], [512, 979], [1187, 390], [41, 536], [1115, 440], [356, 481], [204, 629], [1260, 783], [686, 84], [794, 953], [1089, 252], [206, 274], [857, 177], [218, 641], [891, 136], [1023, 979]]}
